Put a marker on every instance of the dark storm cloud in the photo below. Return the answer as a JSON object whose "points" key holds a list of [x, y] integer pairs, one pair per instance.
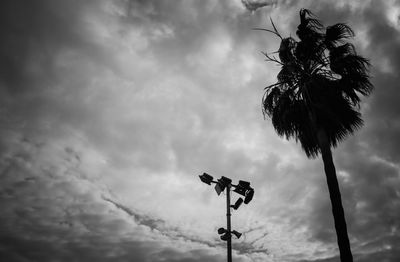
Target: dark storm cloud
{"points": [[253, 5], [48, 59], [383, 132], [192, 35], [151, 89], [372, 199], [36, 86], [53, 211], [43, 208], [17, 249], [161, 226], [32, 34]]}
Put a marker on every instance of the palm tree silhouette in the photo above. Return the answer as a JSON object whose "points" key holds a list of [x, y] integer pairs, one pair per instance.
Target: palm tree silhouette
{"points": [[316, 98]]}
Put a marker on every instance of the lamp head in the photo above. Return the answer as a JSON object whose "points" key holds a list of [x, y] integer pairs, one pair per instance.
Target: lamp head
{"points": [[237, 203], [221, 184], [225, 236], [244, 184], [237, 234], [249, 195], [221, 230], [206, 178], [242, 187], [240, 190]]}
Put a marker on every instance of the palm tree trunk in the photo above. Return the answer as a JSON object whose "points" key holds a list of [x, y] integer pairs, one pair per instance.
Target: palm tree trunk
{"points": [[336, 199]]}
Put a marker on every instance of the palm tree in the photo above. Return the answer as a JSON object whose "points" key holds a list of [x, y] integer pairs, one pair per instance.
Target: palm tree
{"points": [[316, 98]]}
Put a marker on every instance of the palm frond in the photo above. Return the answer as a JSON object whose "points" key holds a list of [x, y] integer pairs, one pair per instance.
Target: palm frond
{"points": [[276, 30], [360, 83], [272, 58], [269, 101], [337, 33], [342, 50], [267, 30], [349, 65], [319, 84], [287, 49], [307, 18]]}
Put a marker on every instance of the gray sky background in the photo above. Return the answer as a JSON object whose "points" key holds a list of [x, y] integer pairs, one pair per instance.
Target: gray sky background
{"points": [[109, 111]]}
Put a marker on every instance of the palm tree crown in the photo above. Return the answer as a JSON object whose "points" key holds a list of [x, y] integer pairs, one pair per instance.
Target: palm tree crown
{"points": [[319, 84]]}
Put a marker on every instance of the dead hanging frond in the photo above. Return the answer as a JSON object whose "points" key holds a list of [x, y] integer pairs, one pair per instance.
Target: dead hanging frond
{"points": [[275, 31]]}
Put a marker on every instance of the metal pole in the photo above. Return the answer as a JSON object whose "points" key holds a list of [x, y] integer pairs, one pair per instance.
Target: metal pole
{"points": [[228, 221]]}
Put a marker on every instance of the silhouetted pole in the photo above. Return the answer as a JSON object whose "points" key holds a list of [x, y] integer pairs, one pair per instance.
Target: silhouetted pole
{"points": [[228, 222], [242, 188]]}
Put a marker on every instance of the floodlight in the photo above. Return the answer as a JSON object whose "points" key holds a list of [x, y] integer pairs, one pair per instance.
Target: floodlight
{"points": [[221, 184], [240, 190], [249, 195], [242, 187], [225, 181], [237, 203], [225, 236], [244, 184], [219, 188], [237, 234], [206, 178], [221, 230]]}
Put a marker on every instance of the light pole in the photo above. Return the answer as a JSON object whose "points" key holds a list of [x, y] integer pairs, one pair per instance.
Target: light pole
{"points": [[243, 188]]}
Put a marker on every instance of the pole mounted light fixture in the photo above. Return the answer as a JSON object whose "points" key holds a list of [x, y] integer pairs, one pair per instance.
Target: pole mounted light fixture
{"points": [[221, 184], [237, 203], [225, 234], [237, 234], [242, 188], [249, 196], [206, 178]]}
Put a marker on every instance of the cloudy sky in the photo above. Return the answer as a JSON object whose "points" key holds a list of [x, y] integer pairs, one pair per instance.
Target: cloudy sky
{"points": [[109, 111]]}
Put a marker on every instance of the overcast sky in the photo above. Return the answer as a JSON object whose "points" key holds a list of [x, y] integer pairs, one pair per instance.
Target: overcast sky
{"points": [[109, 111]]}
